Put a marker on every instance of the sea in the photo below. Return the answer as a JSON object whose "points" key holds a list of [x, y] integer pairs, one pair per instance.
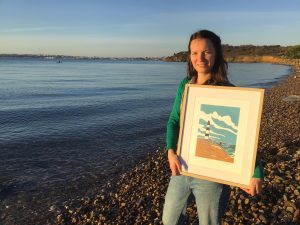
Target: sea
{"points": [[68, 127]]}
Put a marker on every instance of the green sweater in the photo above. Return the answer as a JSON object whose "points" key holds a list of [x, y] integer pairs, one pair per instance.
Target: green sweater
{"points": [[174, 122]]}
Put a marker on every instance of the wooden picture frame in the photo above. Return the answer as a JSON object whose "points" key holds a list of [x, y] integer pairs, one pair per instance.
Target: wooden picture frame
{"points": [[219, 131]]}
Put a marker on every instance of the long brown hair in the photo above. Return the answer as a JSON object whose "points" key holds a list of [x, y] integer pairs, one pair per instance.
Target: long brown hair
{"points": [[220, 67]]}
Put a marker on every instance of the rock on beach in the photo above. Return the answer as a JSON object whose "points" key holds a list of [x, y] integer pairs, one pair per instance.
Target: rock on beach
{"points": [[137, 196]]}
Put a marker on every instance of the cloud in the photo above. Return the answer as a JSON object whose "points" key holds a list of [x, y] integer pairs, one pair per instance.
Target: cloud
{"points": [[226, 119], [215, 115]]}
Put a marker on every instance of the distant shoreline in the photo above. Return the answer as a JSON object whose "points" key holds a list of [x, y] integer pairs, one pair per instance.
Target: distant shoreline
{"points": [[67, 57], [234, 59], [242, 53]]}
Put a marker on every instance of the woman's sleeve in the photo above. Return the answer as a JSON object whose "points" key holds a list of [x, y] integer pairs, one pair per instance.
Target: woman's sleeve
{"points": [[174, 119], [258, 171]]}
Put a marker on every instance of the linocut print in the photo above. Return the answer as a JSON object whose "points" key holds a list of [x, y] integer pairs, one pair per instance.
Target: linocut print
{"points": [[217, 132]]}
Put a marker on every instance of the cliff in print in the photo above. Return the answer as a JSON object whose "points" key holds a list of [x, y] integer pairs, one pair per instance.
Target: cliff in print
{"points": [[217, 132]]}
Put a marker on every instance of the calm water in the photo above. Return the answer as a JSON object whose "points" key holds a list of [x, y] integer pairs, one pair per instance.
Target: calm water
{"points": [[84, 120]]}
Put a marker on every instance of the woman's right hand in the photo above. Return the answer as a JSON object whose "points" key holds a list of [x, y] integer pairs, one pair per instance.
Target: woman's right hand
{"points": [[174, 162]]}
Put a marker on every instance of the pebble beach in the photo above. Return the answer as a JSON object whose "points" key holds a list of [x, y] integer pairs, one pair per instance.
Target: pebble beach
{"points": [[137, 196]]}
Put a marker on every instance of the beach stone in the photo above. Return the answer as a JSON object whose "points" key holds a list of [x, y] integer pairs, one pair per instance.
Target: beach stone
{"points": [[254, 208], [255, 215], [261, 211], [263, 219], [59, 218], [290, 204], [290, 209], [288, 217], [292, 98], [52, 208], [228, 213], [297, 214], [247, 215], [275, 210], [3, 216], [282, 151]]}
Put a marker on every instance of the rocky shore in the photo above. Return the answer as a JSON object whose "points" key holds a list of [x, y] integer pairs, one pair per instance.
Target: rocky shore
{"points": [[137, 196]]}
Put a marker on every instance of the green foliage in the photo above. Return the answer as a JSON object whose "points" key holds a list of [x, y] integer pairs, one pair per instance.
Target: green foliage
{"points": [[177, 57], [248, 50], [251, 50], [293, 52]]}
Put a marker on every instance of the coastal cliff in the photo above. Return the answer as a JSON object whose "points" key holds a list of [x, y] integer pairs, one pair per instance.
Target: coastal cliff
{"points": [[250, 54]]}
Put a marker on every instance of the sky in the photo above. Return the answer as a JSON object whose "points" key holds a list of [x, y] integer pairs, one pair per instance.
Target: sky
{"points": [[141, 28]]}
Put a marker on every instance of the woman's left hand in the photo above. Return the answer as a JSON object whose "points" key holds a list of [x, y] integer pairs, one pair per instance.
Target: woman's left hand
{"points": [[255, 186]]}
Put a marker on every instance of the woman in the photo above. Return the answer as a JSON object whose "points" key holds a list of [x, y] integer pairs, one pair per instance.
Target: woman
{"points": [[206, 66]]}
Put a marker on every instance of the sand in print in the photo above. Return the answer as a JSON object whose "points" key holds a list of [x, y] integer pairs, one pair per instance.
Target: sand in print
{"points": [[217, 132]]}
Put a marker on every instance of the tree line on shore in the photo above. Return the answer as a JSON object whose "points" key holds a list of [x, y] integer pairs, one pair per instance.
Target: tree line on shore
{"points": [[230, 52]]}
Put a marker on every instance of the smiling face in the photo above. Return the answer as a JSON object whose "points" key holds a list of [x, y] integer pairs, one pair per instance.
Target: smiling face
{"points": [[202, 55]]}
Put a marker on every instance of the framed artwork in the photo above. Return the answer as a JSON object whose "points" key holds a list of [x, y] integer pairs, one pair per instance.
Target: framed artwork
{"points": [[219, 133]]}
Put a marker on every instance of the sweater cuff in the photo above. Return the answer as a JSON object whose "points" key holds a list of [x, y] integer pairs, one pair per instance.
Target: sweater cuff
{"points": [[258, 171]]}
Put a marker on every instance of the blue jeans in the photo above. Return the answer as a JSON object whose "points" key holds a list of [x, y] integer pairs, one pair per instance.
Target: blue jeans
{"points": [[211, 200]]}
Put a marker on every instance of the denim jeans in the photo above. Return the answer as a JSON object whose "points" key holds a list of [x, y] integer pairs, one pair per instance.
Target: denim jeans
{"points": [[211, 200]]}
